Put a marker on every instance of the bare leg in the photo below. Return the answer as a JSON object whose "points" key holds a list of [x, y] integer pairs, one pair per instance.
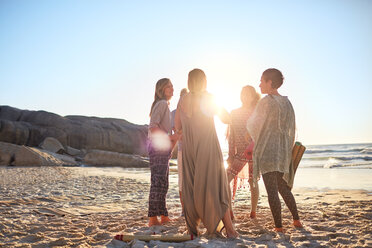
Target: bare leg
{"points": [[230, 230], [230, 177], [254, 195], [181, 200]]}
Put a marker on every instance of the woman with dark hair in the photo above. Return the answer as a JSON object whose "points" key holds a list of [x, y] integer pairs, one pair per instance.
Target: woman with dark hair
{"points": [[240, 142], [161, 143], [205, 190], [272, 127]]}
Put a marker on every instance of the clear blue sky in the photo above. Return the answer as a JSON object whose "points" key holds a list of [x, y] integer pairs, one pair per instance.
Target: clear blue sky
{"points": [[103, 58]]}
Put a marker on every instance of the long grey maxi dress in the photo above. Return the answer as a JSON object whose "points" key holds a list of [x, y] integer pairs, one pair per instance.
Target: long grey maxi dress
{"points": [[205, 190]]}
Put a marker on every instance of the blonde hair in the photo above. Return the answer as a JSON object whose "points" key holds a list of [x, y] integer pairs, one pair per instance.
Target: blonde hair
{"points": [[249, 96], [197, 81], [183, 92], [159, 91]]}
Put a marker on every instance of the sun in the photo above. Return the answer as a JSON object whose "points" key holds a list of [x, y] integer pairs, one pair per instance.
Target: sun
{"points": [[227, 98]]}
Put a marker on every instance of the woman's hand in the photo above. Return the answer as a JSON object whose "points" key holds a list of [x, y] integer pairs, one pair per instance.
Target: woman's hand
{"points": [[230, 160], [173, 139], [224, 115]]}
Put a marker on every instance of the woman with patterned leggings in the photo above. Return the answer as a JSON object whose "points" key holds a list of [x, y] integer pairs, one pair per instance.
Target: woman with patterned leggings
{"points": [[275, 183], [161, 143], [272, 127]]}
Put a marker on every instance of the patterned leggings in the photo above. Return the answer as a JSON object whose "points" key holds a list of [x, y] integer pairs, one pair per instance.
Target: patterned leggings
{"points": [[274, 182], [159, 166]]}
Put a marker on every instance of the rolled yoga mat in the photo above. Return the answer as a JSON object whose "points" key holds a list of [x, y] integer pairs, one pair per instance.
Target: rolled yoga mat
{"points": [[166, 238], [297, 153]]}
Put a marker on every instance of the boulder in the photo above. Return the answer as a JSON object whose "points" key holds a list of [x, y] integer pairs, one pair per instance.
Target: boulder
{"points": [[7, 153], [53, 145], [9, 113], [105, 158], [11, 154], [29, 156], [30, 128], [66, 159], [5, 158], [14, 132], [72, 151]]}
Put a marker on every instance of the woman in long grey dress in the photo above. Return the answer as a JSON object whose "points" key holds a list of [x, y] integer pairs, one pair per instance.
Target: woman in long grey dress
{"points": [[205, 190]]}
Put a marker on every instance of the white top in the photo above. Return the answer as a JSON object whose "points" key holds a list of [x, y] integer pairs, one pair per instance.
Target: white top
{"points": [[272, 127], [161, 117]]}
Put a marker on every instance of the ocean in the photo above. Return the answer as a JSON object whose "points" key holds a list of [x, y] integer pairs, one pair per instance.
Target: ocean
{"points": [[337, 166], [323, 167], [342, 156], [346, 156]]}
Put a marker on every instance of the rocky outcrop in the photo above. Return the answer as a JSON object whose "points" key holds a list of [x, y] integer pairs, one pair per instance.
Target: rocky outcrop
{"points": [[31, 156], [52, 145], [73, 152], [31, 128], [29, 138], [16, 155], [7, 152], [105, 158]]}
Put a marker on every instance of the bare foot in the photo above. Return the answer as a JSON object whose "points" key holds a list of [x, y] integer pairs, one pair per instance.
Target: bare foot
{"points": [[232, 215], [164, 219], [252, 215], [153, 221], [279, 229], [297, 223], [232, 234]]}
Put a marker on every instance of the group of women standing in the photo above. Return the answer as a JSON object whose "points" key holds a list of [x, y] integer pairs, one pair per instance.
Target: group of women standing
{"points": [[206, 193]]}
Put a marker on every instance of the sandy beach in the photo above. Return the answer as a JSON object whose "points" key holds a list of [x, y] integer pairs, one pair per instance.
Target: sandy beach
{"points": [[88, 206]]}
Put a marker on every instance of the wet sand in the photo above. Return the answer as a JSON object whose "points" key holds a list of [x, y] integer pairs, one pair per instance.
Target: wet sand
{"points": [[86, 207]]}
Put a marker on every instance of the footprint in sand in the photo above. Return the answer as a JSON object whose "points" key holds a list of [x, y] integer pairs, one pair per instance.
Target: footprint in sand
{"points": [[32, 238], [323, 228]]}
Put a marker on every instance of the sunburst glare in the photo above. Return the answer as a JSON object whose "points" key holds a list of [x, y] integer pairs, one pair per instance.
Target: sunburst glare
{"points": [[160, 141]]}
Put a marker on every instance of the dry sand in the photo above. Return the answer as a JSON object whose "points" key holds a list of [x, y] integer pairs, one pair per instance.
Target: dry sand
{"points": [[86, 207]]}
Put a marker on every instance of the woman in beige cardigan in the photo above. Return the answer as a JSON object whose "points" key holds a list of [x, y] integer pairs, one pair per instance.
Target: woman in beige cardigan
{"points": [[272, 127]]}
